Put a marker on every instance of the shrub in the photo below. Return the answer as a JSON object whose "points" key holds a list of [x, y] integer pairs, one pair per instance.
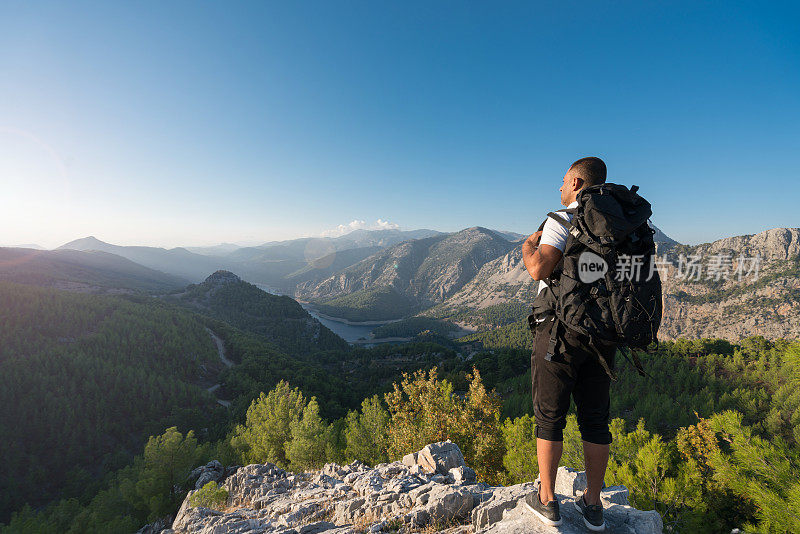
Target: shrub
{"points": [[424, 409], [520, 459], [210, 496]]}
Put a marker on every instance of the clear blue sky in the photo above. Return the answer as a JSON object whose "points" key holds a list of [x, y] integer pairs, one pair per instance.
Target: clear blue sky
{"points": [[186, 123]]}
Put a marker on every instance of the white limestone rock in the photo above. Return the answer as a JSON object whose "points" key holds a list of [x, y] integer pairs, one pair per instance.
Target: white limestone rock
{"points": [[356, 498]]}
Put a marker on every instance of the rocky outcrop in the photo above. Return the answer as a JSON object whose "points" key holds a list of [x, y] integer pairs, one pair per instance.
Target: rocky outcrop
{"points": [[211, 472], [431, 491], [765, 303], [774, 244], [502, 280]]}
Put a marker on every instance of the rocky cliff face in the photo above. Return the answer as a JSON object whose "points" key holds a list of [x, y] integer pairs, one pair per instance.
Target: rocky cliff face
{"points": [[429, 491], [767, 304], [499, 281], [427, 270]]}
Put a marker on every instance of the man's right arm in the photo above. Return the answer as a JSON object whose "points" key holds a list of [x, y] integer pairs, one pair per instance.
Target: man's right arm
{"points": [[539, 260], [542, 251]]}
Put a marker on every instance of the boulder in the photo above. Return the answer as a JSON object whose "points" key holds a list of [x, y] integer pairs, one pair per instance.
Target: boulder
{"points": [[614, 495], [188, 517], [570, 481], [440, 457], [619, 519], [448, 503], [213, 471], [462, 474], [490, 511], [156, 527]]}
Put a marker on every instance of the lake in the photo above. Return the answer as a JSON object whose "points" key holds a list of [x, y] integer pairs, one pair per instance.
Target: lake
{"points": [[348, 332]]}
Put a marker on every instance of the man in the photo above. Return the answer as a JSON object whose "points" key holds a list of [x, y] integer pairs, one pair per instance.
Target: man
{"points": [[575, 370]]}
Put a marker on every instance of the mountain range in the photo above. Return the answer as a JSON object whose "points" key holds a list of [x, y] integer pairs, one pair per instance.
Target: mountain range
{"points": [[379, 275], [91, 375], [90, 271], [425, 271]]}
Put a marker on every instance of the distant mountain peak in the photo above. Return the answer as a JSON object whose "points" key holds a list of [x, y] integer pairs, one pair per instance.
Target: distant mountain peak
{"points": [[221, 277], [85, 243], [661, 237]]}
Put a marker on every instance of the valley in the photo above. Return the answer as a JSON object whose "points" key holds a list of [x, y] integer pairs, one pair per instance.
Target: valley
{"points": [[111, 351]]}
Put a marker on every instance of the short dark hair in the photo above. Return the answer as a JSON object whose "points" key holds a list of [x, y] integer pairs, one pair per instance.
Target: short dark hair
{"points": [[591, 170]]}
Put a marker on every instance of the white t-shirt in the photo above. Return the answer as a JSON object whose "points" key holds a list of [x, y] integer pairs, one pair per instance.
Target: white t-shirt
{"points": [[554, 233]]}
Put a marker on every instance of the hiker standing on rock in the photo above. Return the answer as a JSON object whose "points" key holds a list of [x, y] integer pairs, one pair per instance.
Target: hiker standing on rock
{"points": [[585, 310]]}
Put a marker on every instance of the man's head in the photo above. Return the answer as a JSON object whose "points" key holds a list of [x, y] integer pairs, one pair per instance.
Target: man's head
{"points": [[582, 173]]}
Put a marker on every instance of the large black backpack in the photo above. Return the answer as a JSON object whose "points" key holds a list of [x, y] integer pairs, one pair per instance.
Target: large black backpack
{"points": [[621, 303]]}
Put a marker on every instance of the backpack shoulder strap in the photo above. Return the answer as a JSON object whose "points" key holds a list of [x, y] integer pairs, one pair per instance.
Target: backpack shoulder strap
{"points": [[558, 219], [562, 220]]}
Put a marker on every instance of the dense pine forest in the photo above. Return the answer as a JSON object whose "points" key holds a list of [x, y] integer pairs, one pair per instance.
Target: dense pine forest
{"points": [[277, 318], [710, 439], [85, 379]]}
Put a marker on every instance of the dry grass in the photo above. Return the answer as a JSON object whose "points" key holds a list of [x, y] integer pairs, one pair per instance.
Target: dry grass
{"points": [[433, 528], [364, 521]]}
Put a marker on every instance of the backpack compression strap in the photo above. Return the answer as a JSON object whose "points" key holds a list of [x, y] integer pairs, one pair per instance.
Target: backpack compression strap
{"points": [[592, 344]]}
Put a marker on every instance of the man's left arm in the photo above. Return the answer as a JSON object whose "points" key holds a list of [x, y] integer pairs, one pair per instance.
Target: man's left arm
{"points": [[539, 260]]}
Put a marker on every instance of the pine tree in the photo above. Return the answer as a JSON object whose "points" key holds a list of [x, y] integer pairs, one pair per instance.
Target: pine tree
{"points": [[365, 433], [520, 443], [572, 455], [424, 409], [306, 449], [766, 474], [168, 459], [267, 427]]}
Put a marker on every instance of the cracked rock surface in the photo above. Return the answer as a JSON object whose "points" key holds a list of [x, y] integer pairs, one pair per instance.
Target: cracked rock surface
{"points": [[429, 491]]}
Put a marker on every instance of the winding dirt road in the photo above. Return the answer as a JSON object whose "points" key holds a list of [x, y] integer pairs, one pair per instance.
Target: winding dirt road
{"points": [[221, 351]]}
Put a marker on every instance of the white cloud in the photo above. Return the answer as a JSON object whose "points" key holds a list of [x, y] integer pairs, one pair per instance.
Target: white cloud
{"points": [[357, 224]]}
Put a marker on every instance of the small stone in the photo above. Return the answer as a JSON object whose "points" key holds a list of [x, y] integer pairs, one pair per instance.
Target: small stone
{"points": [[462, 474], [615, 495]]}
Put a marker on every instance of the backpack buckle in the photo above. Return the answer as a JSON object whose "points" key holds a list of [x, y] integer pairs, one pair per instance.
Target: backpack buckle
{"points": [[575, 232]]}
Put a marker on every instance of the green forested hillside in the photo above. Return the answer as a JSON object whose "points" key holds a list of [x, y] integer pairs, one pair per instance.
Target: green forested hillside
{"points": [[276, 318], [413, 326], [374, 304], [92, 376], [84, 379], [516, 335], [341, 378]]}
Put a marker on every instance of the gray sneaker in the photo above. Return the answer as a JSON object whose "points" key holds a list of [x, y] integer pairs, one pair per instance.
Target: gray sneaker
{"points": [[592, 514], [547, 513]]}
